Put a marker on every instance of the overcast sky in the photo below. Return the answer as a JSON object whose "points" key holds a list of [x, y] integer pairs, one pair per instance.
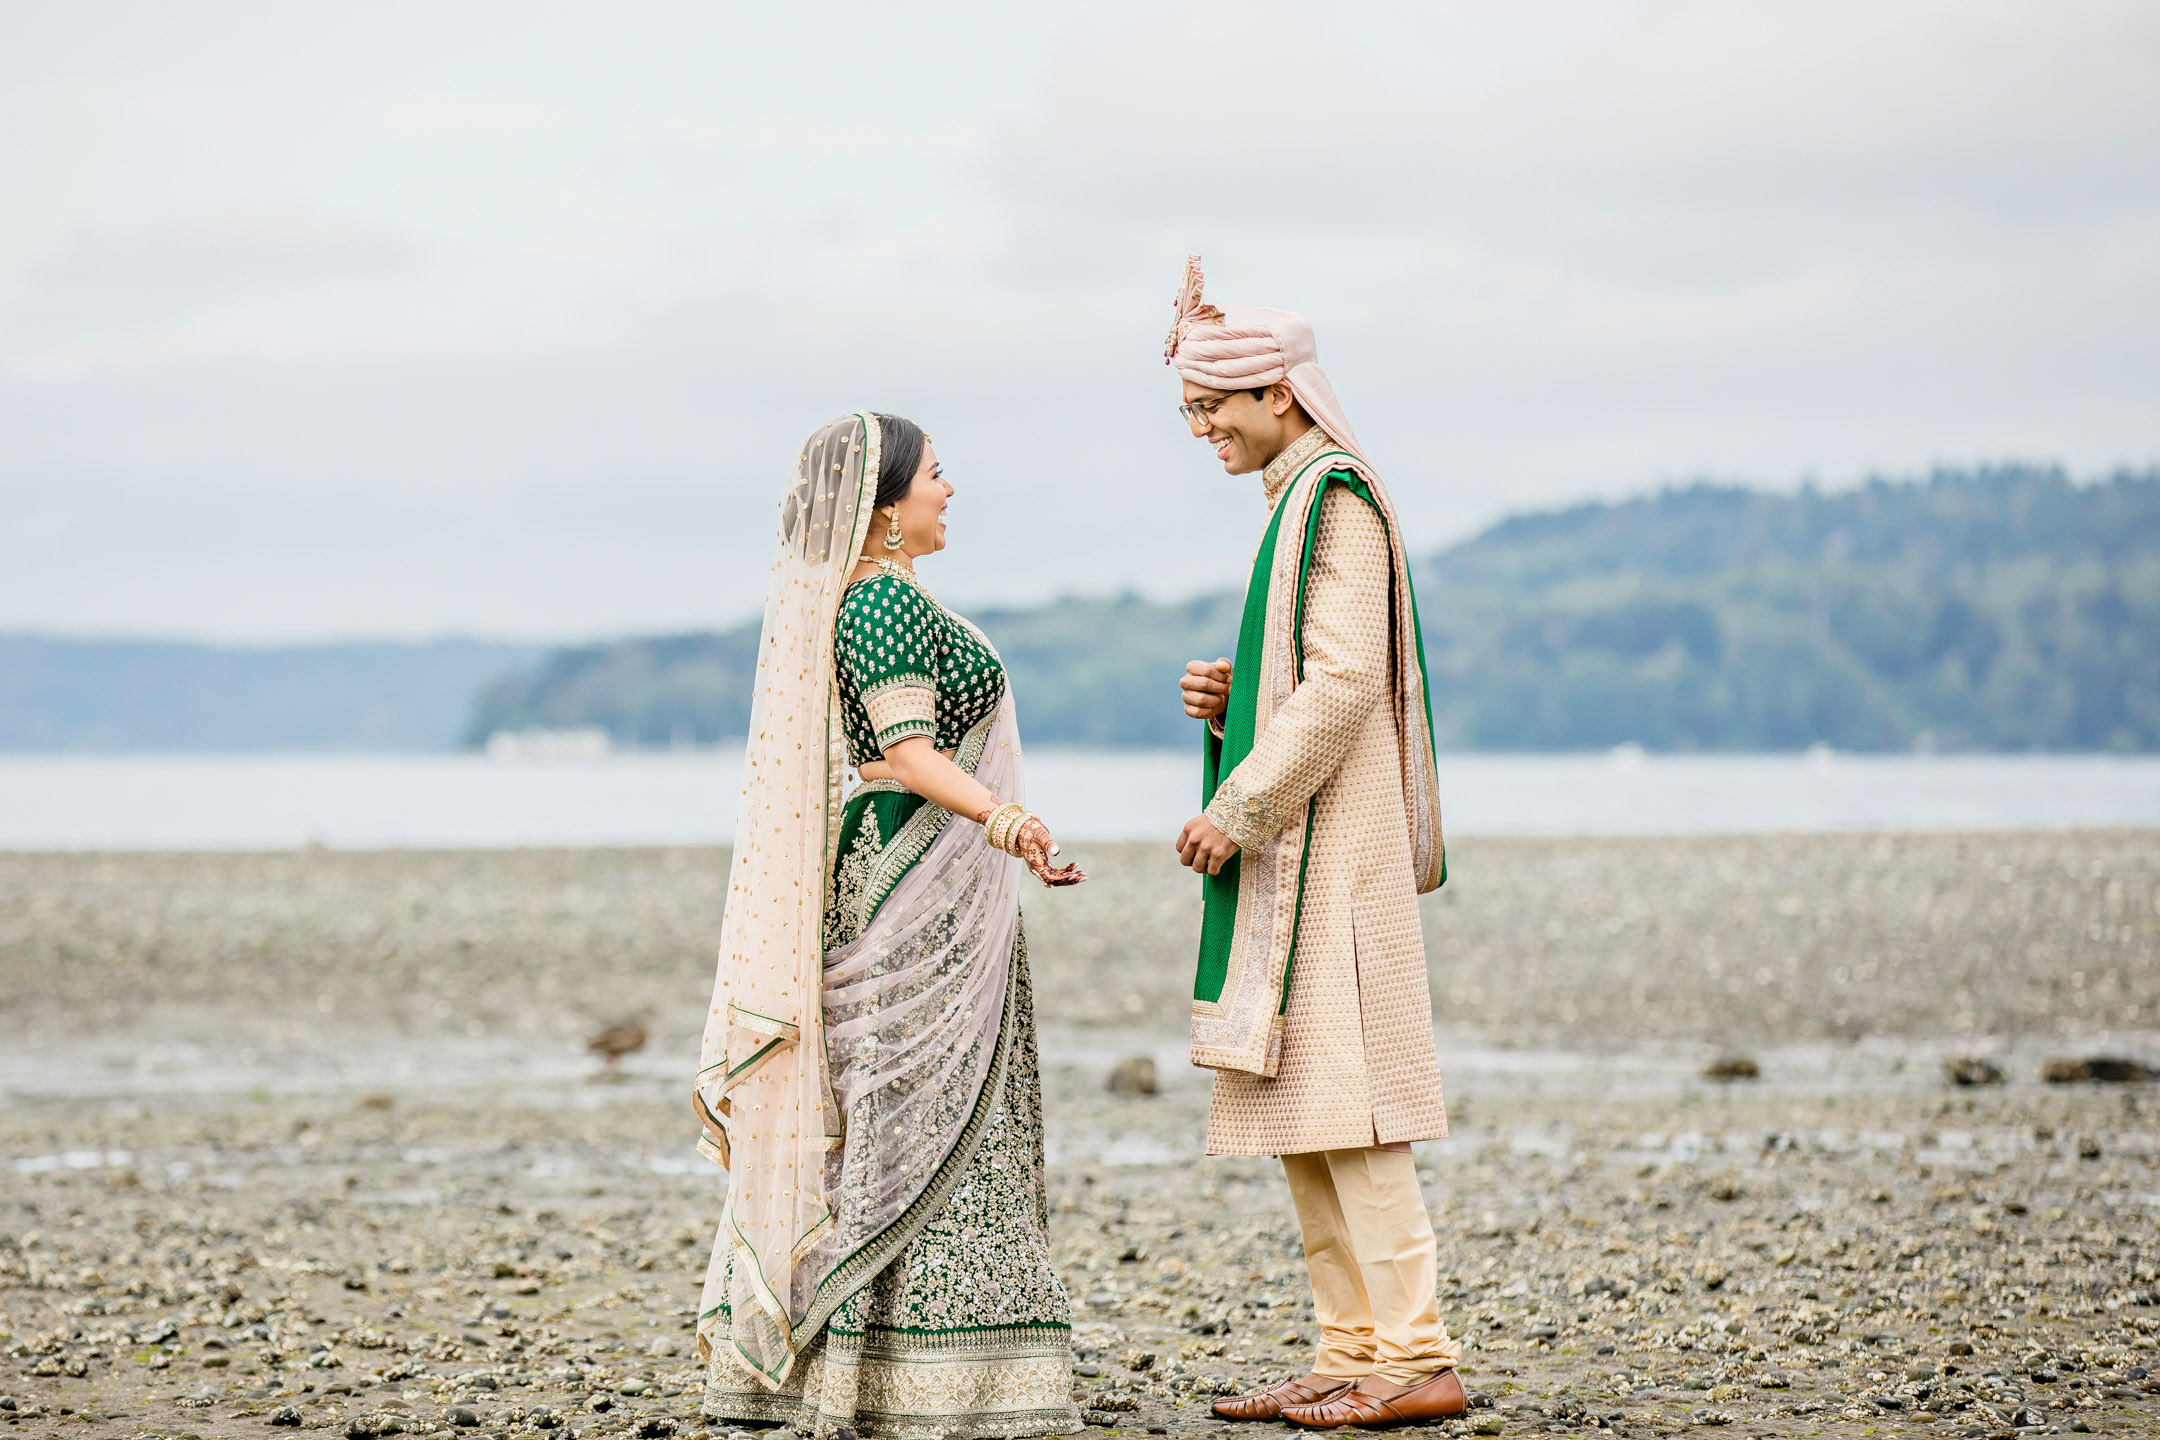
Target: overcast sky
{"points": [[507, 319]]}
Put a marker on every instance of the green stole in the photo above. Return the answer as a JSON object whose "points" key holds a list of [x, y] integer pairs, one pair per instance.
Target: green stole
{"points": [[1223, 753]]}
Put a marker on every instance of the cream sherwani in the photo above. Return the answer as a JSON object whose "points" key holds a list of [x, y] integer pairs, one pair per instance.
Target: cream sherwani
{"points": [[1356, 1069], [1310, 998], [1357, 1064]]}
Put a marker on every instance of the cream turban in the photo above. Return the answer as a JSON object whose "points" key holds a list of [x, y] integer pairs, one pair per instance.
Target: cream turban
{"points": [[1241, 347]]}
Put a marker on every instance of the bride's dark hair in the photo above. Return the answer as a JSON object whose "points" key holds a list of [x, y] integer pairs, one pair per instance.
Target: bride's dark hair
{"points": [[900, 445]]}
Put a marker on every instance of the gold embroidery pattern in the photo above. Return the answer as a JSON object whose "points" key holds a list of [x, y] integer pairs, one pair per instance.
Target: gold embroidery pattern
{"points": [[1276, 477], [965, 1330], [851, 880], [1247, 818], [900, 707]]}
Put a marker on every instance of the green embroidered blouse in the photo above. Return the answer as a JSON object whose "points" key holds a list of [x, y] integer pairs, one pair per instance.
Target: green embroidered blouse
{"points": [[906, 667]]}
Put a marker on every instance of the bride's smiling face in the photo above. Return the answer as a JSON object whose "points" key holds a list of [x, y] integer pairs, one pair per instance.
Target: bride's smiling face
{"points": [[922, 510]]}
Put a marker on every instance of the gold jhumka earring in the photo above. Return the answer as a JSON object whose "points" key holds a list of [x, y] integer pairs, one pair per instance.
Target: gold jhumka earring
{"points": [[893, 537]]}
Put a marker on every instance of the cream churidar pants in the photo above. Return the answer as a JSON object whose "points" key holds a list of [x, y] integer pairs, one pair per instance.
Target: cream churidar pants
{"points": [[1369, 1249]]}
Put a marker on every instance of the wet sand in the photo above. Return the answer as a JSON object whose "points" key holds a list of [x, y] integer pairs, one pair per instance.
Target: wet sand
{"points": [[311, 1138], [1590, 943]]}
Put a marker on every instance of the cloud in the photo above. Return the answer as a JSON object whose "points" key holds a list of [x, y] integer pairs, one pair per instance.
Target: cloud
{"points": [[446, 115], [1552, 251], [1217, 111], [207, 285], [1833, 231], [188, 261], [1655, 142]]}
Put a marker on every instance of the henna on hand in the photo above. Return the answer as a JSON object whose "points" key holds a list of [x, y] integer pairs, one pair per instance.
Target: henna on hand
{"points": [[1036, 847]]}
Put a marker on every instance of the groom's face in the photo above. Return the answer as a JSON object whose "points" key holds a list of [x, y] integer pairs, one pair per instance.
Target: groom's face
{"points": [[1245, 430]]}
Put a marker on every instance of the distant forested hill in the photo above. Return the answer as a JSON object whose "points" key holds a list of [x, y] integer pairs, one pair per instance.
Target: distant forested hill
{"points": [[60, 694], [1094, 672], [2006, 609], [2003, 609]]}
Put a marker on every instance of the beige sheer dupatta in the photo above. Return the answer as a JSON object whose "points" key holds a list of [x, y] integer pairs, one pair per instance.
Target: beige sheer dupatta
{"points": [[844, 1091], [762, 1095]]}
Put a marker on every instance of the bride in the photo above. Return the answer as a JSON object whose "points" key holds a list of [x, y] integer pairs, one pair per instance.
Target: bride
{"points": [[869, 1073]]}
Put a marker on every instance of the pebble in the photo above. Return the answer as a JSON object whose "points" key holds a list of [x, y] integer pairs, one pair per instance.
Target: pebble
{"points": [[1813, 937], [2097, 1069], [1134, 1075], [1584, 1251], [1972, 1070]]}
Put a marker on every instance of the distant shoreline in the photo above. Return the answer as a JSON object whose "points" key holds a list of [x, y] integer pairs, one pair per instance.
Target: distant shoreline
{"points": [[459, 800]]}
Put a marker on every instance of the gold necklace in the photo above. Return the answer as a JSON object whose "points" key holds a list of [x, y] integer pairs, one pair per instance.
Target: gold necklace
{"points": [[901, 571]]}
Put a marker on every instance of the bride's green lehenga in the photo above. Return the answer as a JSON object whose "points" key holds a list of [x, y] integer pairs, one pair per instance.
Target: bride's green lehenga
{"points": [[966, 1330]]}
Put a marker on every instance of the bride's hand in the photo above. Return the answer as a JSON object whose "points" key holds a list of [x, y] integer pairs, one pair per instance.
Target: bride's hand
{"points": [[1036, 847]]}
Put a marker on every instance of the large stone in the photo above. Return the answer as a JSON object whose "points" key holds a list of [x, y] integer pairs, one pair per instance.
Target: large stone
{"points": [[1134, 1075], [2102, 1069], [1972, 1070]]}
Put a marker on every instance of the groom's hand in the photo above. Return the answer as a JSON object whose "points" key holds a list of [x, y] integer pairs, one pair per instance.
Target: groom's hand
{"points": [[1202, 847], [1206, 686]]}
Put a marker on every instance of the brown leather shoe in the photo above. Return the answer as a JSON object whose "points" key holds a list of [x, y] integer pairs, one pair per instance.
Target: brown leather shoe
{"points": [[1268, 1404], [1439, 1398]]}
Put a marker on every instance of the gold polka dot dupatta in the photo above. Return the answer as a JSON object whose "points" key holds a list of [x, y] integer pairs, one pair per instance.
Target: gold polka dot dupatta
{"points": [[762, 1096]]}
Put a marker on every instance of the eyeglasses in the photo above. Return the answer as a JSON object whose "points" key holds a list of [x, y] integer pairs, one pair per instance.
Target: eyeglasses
{"points": [[1201, 412]]}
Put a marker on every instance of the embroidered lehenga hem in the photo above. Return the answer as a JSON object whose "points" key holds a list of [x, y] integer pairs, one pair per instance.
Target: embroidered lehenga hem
{"points": [[1012, 1384], [888, 1382], [854, 1271], [923, 1381]]}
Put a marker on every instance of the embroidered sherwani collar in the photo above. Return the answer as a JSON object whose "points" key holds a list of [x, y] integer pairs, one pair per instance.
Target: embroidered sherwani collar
{"points": [[1277, 476]]}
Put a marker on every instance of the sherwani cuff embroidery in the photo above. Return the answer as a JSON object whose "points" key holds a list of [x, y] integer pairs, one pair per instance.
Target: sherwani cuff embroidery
{"points": [[1246, 817]]}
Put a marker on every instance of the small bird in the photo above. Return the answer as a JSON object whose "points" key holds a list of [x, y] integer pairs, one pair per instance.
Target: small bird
{"points": [[624, 1037]]}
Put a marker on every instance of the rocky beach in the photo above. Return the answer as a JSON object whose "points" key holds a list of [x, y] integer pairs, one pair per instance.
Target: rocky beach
{"points": [[311, 1140]]}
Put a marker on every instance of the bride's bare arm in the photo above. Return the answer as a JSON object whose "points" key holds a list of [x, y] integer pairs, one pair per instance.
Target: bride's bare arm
{"points": [[930, 773], [882, 769]]}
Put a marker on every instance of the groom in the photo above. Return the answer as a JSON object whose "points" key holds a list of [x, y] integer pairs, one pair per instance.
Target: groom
{"points": [[1322, 827]]}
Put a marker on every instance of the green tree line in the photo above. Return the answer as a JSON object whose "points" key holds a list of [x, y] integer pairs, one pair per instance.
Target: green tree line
{"points": [[2001, 609]]}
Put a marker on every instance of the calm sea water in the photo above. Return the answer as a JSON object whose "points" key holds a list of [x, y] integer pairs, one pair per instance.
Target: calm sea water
{"points": [[359, 801]]}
